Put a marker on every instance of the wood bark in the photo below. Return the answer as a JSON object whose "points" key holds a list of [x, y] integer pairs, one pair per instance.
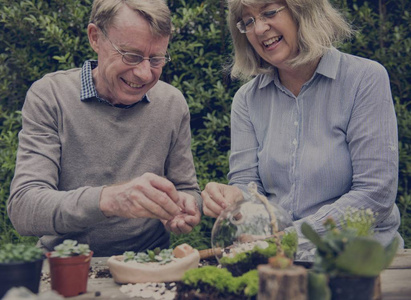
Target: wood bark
{"points": [[282, 284]]}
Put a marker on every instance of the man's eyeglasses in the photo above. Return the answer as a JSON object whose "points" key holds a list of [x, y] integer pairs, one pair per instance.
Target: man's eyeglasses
{"points": [[247, 25], [133, 59]]}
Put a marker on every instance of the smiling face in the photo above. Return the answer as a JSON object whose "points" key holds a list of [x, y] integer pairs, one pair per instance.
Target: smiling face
{"points": [[275, 38], [114, 80]]}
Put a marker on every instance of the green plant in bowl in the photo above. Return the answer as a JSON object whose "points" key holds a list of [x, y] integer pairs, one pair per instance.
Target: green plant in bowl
{"points": [[156, 255]]}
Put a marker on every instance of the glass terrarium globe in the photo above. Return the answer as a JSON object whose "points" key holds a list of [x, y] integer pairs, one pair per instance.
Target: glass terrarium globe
{"points": [[248, 223]]}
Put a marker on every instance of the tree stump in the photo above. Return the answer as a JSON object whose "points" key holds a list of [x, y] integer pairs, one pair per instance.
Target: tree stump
{"points": [[282, 284]]}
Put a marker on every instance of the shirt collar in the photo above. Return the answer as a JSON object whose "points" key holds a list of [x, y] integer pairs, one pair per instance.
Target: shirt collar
{"points": [[328, 67], [329, 63], [88, 90]]}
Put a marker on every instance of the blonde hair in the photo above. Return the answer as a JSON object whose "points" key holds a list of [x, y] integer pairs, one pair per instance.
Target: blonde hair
{"points": [[156, 12], [320, 27]]}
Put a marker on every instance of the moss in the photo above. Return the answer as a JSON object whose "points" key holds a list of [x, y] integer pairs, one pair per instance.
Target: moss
{"points": [[222, 280], [246, 257], [249, 260], [271, 250], [289, 243], [240, 257], [251, 281]]}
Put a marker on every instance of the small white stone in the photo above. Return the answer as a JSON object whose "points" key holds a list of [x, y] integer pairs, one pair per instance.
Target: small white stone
{"points": [[146, 294]]}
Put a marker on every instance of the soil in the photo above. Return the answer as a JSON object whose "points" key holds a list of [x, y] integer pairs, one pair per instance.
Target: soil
{"points": [[99, 272], [241, 267], [205, 292]]}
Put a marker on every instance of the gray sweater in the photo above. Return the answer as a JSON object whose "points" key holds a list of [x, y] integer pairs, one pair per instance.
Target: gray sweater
{"points": [[69, 149]]}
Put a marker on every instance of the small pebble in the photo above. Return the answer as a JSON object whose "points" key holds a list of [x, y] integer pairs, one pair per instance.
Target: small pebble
{"points": [[158, 291]]}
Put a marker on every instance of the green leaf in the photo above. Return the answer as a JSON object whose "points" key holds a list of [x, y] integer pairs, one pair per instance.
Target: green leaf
{"points": [[390, 252], [314, 237], [362, 256]]}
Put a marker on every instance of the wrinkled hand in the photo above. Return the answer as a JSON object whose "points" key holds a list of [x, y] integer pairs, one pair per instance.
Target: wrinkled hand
{"points": [[147, 196], [218, 196], [188, 218]]}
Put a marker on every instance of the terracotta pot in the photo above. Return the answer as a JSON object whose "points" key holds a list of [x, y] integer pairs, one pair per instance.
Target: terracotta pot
{"points": [[352, 287], [69, 275], [17, 274]]}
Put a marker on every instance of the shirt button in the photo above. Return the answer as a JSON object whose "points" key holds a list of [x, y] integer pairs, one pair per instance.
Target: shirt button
{"points": [[295, 142], [296, 123], [290, 212]]}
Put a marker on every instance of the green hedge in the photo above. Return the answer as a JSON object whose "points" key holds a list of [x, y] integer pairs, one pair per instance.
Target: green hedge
{"points": [[39, 37]]}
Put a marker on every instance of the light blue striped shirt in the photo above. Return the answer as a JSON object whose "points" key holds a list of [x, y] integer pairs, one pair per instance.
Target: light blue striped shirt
{"points": [[332, 147]]}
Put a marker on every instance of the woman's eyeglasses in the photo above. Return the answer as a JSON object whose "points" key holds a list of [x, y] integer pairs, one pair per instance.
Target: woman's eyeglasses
{"points": [[247, 25]]}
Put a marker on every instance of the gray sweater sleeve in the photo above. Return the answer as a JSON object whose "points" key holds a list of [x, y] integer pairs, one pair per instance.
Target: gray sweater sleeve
{"points": [[36, 206]]}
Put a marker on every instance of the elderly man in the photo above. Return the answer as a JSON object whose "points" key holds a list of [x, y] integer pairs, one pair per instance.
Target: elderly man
{"points": [[104, 154]]}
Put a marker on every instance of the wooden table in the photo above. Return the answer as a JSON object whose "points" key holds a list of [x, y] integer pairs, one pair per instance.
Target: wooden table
{"points": [[395, 281]]}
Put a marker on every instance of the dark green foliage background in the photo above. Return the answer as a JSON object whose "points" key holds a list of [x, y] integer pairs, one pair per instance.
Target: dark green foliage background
{"points": [[38, 37]]}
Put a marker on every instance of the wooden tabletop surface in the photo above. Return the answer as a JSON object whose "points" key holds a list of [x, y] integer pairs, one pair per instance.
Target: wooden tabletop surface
{"points": [[395, 281]]}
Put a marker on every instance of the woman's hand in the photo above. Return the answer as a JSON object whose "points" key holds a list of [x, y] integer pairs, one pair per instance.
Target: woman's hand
{"points": [[218, 196]]}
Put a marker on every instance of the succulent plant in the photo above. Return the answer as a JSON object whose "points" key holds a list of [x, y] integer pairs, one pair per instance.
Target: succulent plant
{"points": [[159, 256], [10, 253], [70, 248]]}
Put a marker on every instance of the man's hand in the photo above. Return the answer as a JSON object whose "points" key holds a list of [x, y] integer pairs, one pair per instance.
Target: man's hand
{"points": [[147, 196], [218, 196], [188, 218]]}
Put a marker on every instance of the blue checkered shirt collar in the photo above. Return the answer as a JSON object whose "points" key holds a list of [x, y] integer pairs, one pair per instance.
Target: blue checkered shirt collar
{"points": [[88, 90]]}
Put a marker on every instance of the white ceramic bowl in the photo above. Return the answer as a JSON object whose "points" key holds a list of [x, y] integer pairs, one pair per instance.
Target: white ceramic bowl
{"points": [[133, 272]]}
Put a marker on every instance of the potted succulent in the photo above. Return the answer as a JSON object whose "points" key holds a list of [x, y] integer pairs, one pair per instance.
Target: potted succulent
{"points": [[349, 257], [69, 268], [20, 265]]}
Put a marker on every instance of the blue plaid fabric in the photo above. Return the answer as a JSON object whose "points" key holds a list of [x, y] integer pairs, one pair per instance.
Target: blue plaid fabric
{"points": [[88, 90]]}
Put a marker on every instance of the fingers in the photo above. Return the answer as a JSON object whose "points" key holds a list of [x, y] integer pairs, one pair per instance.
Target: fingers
{"points": [[186, 221], [156, 195], [145, 196], [213, 200], [232, 194], [150, 203], [164, 185], [177, 225], [187, 203]]}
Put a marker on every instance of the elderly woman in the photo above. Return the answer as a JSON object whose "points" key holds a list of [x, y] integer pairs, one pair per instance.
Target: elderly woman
{"points": [[315, 128]]}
